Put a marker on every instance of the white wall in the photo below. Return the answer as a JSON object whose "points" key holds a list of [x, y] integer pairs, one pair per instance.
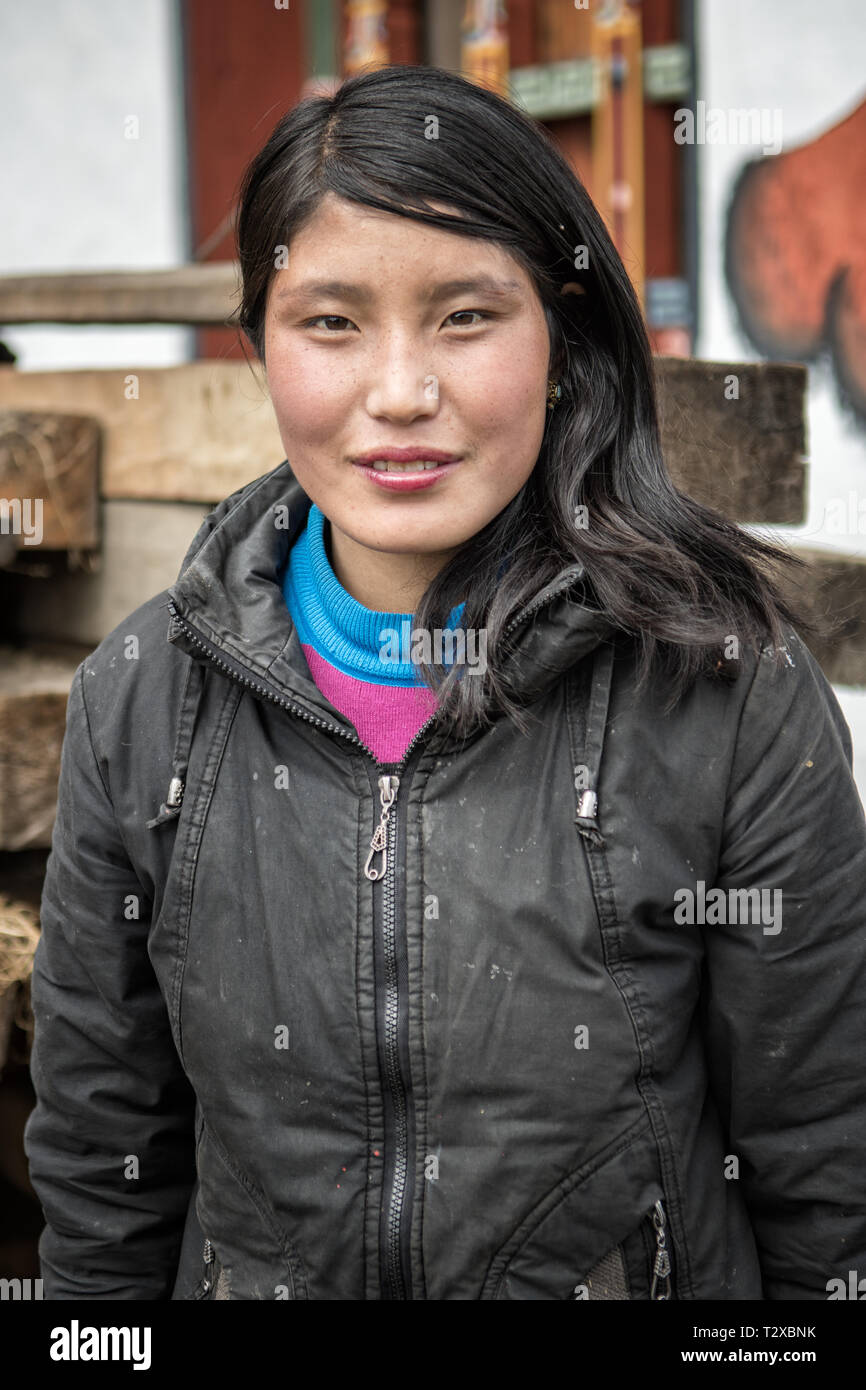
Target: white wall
{"points": [[76, 193], [809, 62]]}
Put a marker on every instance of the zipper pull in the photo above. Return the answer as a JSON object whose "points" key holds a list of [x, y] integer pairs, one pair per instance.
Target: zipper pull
{"points": [[172, 804], [175, 792], [379, 843], [207, 1281], [661, 1285]]}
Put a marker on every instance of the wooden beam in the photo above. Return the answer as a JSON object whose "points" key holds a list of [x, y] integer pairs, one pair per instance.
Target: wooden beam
{"points": [[617, 135], [199, 431], [833, 596], [49, 482], [734, 435], [194, 433], [187, 294]]}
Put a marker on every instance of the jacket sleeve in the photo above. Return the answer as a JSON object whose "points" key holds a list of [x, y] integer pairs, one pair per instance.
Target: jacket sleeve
{"points": [[110, 1142], [785, 997]]}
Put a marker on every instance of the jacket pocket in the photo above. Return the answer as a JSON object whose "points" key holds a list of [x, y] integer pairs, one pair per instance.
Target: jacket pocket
{"points": [[641, 1267], [593, 1234], [256, 1258]]}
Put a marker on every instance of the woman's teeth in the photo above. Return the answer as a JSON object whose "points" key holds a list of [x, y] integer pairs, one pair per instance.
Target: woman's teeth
{"points": [[391, 466]]}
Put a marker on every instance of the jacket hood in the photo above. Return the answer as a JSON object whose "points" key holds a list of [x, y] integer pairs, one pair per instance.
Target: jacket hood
{"points": [[229, 589]]}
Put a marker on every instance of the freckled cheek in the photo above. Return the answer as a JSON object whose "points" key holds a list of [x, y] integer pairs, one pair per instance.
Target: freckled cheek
{"points": [[500, 404], [309, 398], [508, 384], [503, 407]]}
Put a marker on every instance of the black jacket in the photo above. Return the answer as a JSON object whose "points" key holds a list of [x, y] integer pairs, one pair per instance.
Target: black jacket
{"points": [[504, 1069]]}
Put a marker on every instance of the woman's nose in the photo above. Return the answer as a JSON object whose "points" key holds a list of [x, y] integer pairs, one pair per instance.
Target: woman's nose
{"points": [[400, 388]]}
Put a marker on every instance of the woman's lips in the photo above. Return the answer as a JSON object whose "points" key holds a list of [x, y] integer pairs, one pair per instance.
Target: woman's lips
{"points": [[405, 482]]}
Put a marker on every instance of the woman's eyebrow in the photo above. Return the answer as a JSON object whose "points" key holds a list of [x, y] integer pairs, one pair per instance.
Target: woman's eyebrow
{"points": [[312, 290]]}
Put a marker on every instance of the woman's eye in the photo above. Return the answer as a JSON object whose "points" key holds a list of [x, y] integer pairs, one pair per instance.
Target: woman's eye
{"points": [[326, 318], [338, 319], [460, 313]]}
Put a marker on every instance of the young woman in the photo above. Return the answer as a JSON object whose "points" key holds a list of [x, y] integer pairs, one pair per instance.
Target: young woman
{"points": [[459, 892]]}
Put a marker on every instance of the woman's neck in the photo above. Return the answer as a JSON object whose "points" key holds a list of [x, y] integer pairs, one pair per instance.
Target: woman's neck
{"points": [[379, 579]]}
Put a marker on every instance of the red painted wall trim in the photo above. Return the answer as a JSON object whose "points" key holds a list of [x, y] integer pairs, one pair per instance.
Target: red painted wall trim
{"points": [[244, 64]]}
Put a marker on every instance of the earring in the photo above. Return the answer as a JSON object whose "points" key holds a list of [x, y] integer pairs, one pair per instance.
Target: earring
{"points": [[554, 394]]}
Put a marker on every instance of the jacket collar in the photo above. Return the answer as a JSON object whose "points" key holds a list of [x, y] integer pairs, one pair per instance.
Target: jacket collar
{"points": [[228, 606]]}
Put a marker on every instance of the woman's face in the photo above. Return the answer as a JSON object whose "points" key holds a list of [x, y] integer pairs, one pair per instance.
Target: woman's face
{"points": [[396, 356]]}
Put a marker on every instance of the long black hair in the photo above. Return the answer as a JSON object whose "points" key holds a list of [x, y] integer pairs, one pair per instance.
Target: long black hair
{"points": [[676, 575]]}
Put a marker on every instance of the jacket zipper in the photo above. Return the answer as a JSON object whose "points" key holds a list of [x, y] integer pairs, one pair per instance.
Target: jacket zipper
{"points": [[660, 1290], [380, 843], [206, 1282], [395, 1254]]}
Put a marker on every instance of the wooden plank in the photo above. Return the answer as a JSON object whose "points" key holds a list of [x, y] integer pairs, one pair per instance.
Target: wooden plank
{"points": [[192, 294], [34, 688], [833, 595], [617, 135], [49, 482], [742, 453], [143, 546], [199, 431], [442, 26], [195, 432]]}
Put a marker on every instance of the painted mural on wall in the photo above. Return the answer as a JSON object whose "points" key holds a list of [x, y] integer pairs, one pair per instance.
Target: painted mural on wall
{"points": [[795, 254]]}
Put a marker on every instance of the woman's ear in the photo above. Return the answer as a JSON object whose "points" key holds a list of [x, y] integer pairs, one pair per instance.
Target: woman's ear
{"points": [[572, 287]]}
